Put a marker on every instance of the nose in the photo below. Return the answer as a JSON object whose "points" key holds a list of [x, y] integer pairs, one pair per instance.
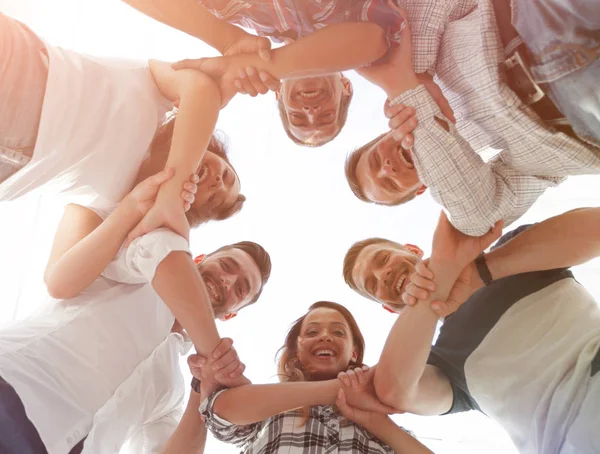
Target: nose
{"points": [[311, 111], [384, 275], [387, 168], [217, 182], [326, 337], [227, 280]]}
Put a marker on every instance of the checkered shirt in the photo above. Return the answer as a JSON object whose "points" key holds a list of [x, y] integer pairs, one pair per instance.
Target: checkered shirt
{"points": [[325, 431], [281, 19], [534, 157]]}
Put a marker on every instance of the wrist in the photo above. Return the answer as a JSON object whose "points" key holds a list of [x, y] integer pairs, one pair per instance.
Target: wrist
{"points": [[129, 212], [400, 85], [233, 35], [483, 272]]}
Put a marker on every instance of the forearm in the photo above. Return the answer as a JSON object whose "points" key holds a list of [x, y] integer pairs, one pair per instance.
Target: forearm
{"points": [[563, 241], [401, 442], [199, 104], [253, 403], [81, 265], [192, 18], [408, 345], [180, 286], [190, 435], [338, 47]]}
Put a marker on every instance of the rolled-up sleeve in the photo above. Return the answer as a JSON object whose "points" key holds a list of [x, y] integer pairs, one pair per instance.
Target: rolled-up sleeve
{"points": [[222, 429], [475, 194], [137, 263]]}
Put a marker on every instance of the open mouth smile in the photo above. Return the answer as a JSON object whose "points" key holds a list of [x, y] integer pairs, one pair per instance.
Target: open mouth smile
{"points": [[406, 158]]}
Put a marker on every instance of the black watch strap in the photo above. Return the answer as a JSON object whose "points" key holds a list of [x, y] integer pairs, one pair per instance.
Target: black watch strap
{"points": [[483, 270], [196, 385]]}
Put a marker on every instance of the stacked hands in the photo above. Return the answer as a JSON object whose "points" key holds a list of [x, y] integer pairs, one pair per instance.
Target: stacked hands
{"points": [[356, 398], [457, 251], [236, 72]]}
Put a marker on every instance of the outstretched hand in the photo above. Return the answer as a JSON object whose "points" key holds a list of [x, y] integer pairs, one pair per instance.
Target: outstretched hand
{"points": [[452, 246], [359, 390]]}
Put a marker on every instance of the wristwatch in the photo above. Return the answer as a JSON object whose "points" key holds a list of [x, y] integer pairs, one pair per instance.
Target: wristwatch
{"points": [[483, 270], [195, 385]]}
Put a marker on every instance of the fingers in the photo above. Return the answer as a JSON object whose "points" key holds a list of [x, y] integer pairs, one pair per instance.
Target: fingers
{"points": [[229, 371], [424, 271], [443, 309], [196, 360], [402, 125], [189, 63], [344, 378], [270, 82], [264, 48], [492, 235], [225, 345], [342, 404], [251, 82], [161, 177]]}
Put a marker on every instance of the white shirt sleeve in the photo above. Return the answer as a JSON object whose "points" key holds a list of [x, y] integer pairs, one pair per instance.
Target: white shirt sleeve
{"points": [[137, 263], [153, 436]]}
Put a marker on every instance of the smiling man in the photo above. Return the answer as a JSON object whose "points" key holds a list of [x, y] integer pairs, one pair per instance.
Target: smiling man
{"points": [[313, 110], [103, 367], [523, 343], [378, 269]]}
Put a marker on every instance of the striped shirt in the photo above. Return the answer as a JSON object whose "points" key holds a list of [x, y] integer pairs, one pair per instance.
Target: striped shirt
{"points": [[325, 431], [291, 19], [476, 194]]}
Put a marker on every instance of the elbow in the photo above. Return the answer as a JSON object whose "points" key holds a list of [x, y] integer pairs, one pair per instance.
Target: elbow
{"points": [[380, 44], [391, 393], [59, 291]]}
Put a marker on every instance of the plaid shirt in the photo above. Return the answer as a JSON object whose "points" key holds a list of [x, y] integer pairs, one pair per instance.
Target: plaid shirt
{"points": [[489, 114], [325, 431], [281, 19]]}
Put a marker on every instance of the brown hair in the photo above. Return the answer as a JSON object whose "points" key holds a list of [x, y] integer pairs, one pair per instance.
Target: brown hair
{"points": [[259, 255], [342, 117], [288, 366], [162, 144], [352, 255], [357, 190]]}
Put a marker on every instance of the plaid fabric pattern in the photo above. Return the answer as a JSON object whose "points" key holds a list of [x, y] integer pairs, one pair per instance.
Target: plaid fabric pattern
{"points": [[280, 19], [325, 431], [489, 114]]}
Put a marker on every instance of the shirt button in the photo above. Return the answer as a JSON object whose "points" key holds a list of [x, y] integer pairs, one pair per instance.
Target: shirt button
{"points": [[69, 440], [76, 434]]}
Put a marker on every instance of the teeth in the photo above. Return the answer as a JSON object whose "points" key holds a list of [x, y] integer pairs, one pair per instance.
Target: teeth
{"points": [[212, 290], [324, 353], [404, 160], [399, 284], [309, 94], [203, 173]]}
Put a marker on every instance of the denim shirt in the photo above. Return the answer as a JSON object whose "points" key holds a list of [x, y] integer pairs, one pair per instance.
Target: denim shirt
{"points": [[562, 37]]}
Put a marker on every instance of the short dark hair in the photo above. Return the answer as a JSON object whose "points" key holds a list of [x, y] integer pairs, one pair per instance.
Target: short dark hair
{"points": [[259, 255], [162, 144], [342, 117], [356, 188], [352, 255]]}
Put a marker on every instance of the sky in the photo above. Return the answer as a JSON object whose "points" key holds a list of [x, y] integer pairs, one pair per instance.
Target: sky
{"points": [[299, 208]]}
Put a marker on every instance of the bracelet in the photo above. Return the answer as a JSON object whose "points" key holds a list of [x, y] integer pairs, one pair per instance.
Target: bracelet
{"points": [[195, 385], [483, 270]]}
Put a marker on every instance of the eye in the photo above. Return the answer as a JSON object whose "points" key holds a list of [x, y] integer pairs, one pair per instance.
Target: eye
{"points": [[312, 332], [339, 333], [224, 265], [385, 259], [239, 291]]}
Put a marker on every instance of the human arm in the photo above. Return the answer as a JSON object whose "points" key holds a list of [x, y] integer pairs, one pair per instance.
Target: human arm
{"points": [[84, 244], [562, 241], [190, 435], [381, 426], [338, 47], [403, 379], [191, 17], [198, 98]]}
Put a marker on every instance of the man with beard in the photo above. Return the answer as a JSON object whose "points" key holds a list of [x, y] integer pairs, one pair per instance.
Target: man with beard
{"points": [[523, 344], [105, 364]]}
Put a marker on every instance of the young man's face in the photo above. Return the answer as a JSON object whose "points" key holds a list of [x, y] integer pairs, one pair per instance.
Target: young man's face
{"points": [[232, 279], [312, 106], [382, 271], [386, 172]]}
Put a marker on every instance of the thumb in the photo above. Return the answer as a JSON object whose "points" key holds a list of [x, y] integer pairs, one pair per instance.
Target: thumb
{"points": [[189, 63], [162, 176], [492, 235], [137, 232], [264, 49]]}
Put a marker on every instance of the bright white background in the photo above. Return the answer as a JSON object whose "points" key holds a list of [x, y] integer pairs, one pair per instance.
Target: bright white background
{"points": [[299, 208]]}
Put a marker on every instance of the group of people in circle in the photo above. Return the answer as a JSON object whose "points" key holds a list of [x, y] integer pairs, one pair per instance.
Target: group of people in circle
{"points": [[131, 145]]}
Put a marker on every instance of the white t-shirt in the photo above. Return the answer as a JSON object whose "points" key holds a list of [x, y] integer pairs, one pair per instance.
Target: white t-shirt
{"points": [[98, 119], [67, 362]]}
